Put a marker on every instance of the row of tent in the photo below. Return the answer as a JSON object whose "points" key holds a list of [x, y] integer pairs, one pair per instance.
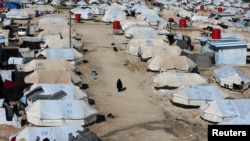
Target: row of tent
{"points": [[43, 86], [180, 78]]}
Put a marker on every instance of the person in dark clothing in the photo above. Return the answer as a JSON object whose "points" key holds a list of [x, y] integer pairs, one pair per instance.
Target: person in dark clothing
{"points": [[119, 85]]}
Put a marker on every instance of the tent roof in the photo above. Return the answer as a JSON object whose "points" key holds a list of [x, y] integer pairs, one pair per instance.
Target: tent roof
{"points": [[226, 109], [49, 76], [226, 72], [194, 93], [48, 64], [173, 79], [165, 62], [55, 133]]}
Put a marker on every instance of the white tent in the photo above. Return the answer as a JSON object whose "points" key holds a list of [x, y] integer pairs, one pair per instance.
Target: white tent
{"points": [[196, 95], [55, 42], [59, 133], [86, 13], [136, 44], [126, 23], [141, 30], [232, 78], [18, 14], [61, 112], [112, 15], [222, 110], [70, 54], [162, 63], [175, 80]]}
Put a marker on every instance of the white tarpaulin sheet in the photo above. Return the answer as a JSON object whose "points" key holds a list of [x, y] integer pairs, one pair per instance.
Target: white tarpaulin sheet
{"points": [[60, 112]]}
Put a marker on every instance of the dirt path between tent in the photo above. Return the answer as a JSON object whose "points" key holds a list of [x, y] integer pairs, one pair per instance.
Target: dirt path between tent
{"points": [[139, 112]]}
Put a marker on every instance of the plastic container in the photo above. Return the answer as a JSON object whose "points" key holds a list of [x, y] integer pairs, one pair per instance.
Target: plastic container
{"points": [[170, 19], [78, 17], [202, 7], [220, 9], [216, 33], [182, 22], [116, 25]]}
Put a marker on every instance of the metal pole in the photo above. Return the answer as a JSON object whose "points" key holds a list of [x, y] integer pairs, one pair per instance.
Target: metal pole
{"points": [[70, 29]]}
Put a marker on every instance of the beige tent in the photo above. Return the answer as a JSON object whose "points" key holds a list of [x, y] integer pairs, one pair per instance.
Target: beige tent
{"points": [[135, 44], [150, 52], [171, 62], [175, 80], [49, 76], [48, 64]]}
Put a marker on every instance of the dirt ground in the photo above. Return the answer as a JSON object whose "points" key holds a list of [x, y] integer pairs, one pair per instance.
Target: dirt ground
{"points": [[139, 113]]}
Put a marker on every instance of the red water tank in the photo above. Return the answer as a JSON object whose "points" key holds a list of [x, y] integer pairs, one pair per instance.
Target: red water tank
{"points": [[116, 25], [220, 9], [216, 33], [182, 22], [170, 19], [202, 7], [78, 17]]}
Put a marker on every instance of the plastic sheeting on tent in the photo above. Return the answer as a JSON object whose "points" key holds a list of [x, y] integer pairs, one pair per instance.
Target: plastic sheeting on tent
{"points": [[11, 5], [73, 92], [162, 63], [60, 112], [222, 110], [195, 95], [231, 77], [175, 80]]}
